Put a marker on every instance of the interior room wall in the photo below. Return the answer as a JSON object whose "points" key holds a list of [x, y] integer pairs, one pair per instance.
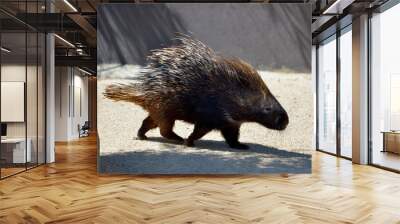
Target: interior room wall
{"points": [[69, 112], [80, 109], [16, 72], [62, 81], [33, 126]]}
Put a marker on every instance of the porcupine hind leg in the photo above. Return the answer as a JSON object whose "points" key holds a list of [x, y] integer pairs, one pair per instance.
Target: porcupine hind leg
{"points": [[147, 124], [231, 135], [166, 131], [198, 132]]}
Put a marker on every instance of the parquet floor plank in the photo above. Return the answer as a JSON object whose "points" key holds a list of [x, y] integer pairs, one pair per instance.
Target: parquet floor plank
{"points": [[71, 191]]}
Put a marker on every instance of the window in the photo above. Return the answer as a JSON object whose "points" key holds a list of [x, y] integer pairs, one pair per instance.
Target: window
{"points": [[346, 92], [327, 95], [385, 88], [334, 106]]}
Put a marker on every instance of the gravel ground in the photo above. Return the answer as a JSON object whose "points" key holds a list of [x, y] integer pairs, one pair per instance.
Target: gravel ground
{"points": [[270, 151]]}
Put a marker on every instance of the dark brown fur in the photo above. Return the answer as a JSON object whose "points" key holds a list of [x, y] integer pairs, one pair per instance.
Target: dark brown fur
{"points": [[190, 82]]}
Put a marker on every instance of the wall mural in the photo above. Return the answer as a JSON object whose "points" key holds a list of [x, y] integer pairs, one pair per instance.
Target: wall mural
{"points": [[204, 88]]}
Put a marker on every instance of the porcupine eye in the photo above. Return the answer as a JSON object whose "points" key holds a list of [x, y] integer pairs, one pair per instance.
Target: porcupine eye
{"points": [[267, 109]]}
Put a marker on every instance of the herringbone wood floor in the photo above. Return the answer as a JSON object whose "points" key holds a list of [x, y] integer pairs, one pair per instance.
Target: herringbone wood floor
{"points": [[70, 191]]}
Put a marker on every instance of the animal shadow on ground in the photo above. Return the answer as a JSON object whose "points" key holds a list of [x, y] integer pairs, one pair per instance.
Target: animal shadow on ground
{"points": [[207, 157]]}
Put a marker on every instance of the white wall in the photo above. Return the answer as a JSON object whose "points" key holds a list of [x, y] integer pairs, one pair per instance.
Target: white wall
{"points": [[62, 82], [71, 102], [33, 126], [12, 73], [80, 109]]}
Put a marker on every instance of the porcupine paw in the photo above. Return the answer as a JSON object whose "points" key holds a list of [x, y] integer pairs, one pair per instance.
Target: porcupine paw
{"points": [[141, 137]]}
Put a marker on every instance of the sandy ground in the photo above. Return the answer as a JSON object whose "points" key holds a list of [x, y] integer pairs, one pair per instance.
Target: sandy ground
{"points": [[118, 123]]}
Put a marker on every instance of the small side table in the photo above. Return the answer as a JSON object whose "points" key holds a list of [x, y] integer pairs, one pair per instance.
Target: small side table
{"points": [[391, 141]]}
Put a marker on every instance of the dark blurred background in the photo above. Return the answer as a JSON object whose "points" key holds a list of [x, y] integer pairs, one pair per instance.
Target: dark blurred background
{"points": [[269, 36]]}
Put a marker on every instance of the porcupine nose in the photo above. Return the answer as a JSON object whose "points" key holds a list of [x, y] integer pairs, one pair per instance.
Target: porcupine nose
{"points": [[281, 120]]}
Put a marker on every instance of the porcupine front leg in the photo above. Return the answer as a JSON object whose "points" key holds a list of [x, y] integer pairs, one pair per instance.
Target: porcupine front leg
{"points": [[147, 124], [231, 135], [166, 131], [198, 132]]}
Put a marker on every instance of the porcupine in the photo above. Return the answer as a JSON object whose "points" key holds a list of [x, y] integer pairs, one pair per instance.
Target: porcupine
{"points": [[191, 82]]}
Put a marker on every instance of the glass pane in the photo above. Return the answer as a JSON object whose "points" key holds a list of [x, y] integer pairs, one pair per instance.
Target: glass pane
{"points": [[346, 94], [386, 89], [41, 99], [23, 89], [31, 100], [327, 96], [32, 89], [13, 87]]}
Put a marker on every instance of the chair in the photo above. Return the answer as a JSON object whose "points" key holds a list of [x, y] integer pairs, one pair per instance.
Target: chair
{"points": [[84, 130]]}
